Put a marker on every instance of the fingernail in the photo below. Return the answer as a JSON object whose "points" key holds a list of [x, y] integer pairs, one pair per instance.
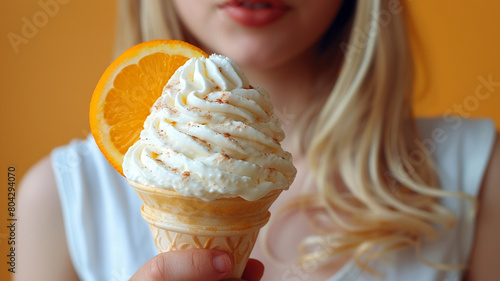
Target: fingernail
{"points": [[222, 263]]}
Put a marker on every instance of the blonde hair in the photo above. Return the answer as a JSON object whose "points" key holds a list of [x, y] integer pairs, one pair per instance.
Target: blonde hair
{"points": [[140, 21], [373, 181], [362, 151]]}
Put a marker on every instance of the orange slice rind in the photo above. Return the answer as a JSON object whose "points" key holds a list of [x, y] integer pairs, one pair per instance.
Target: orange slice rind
{"points": [[128, 89]]}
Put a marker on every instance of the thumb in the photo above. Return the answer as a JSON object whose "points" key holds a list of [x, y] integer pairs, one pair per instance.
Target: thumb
{"points": [[186, 265]]}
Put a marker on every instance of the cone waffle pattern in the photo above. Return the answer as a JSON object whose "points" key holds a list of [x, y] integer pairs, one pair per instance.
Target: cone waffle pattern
{"points": [[240, 246], [228, 224]]}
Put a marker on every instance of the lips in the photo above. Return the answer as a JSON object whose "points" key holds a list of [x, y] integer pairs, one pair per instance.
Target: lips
{"points": [[254, 13]]}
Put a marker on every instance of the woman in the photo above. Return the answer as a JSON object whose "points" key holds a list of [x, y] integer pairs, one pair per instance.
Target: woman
{"points": [[339, 74]]}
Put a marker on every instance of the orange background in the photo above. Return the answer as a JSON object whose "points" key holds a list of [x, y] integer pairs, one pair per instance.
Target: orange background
{"points": [[47, 84]]}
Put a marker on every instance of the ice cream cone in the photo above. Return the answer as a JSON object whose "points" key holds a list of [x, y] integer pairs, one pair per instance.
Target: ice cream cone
{"points": [[178, 222]]}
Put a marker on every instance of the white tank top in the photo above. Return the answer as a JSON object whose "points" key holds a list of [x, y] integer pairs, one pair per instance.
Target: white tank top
{"points": [[108, 239]]}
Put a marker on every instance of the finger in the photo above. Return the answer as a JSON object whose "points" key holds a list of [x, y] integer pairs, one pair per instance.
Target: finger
{"points": [[186, 265], [253, 271]]}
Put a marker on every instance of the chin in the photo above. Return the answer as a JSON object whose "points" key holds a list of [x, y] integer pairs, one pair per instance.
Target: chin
{"points": [[255, 54], [252, 61]]}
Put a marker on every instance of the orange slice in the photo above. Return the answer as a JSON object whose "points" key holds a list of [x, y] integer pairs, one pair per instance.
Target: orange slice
{"points": [[128, 89]]}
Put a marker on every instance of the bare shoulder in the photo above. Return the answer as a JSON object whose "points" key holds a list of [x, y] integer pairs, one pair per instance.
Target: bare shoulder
{"points": [[486, 251], [41, 228]]}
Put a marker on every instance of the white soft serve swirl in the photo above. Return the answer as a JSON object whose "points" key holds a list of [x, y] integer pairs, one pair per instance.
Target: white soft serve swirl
{"points": [[211, 135]]}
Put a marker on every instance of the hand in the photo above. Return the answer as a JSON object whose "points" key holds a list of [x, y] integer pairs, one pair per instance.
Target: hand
{"points": [[193, 265]]}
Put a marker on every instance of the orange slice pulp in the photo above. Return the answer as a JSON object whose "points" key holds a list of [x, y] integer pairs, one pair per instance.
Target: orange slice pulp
{"points": [[128, 89]]}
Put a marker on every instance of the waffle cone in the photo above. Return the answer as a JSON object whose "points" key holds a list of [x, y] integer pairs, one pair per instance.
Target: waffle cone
{"points": [[179, 222]]}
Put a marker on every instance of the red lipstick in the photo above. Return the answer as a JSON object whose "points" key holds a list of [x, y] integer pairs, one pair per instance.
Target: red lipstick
{"points": [[254, 13]]}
